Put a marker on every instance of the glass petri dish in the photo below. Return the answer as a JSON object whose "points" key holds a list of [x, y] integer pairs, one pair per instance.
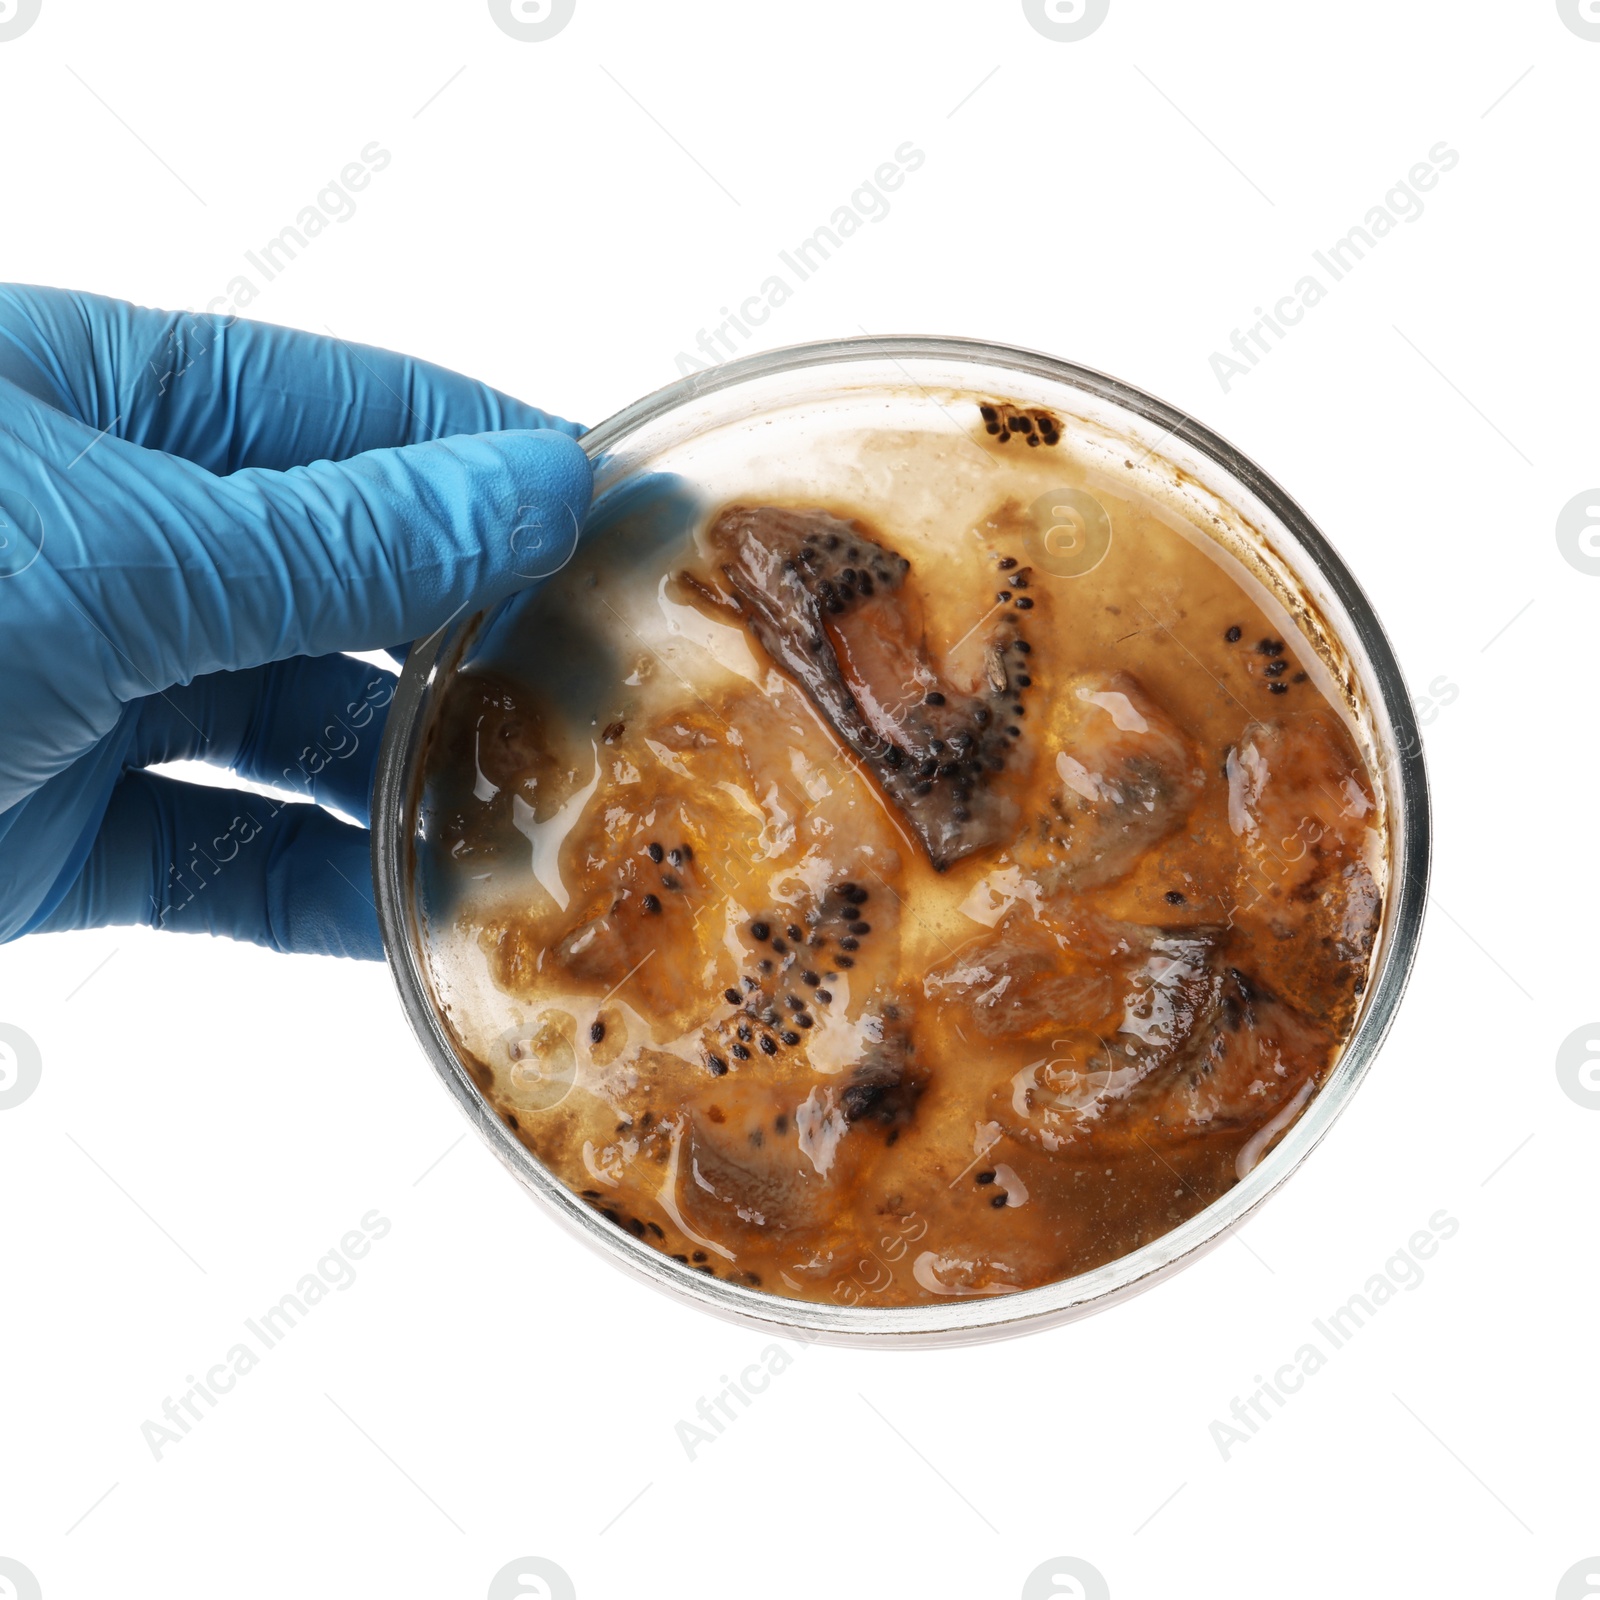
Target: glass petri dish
{"points": [[774, 428]]}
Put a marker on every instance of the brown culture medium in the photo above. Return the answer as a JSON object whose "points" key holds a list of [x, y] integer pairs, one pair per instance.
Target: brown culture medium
{"points": [[915, 972]]}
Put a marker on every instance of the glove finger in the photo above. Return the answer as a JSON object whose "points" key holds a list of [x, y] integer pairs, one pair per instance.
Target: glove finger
{"points": [[172, 572], [226, 393], [310, 725], [199, 860]]}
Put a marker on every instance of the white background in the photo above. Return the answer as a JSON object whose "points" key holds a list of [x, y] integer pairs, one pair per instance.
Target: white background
{"points": [[211, 1118]]}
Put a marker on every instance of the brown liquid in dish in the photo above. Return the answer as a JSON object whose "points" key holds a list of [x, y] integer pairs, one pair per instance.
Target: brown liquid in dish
{"points": [[982, 926]]}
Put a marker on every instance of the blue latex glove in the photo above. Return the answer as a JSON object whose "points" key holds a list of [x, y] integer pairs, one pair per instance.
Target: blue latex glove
{"points": [[197, 513]]}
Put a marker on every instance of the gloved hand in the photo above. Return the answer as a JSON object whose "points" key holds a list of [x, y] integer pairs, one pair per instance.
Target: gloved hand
{"points": [[195, 513]]}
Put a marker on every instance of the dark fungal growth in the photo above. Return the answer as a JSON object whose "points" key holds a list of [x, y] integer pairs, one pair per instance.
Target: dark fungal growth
{"points": [[1002, 420], [775, 1002], [833, 608], [884, 1089]]}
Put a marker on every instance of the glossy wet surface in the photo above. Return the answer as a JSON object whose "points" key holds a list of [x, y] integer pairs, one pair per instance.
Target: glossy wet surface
{"points": [[918, 922]]}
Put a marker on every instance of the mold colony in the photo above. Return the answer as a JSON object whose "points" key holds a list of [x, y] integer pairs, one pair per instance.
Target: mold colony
{"points": [[918, 923]]}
